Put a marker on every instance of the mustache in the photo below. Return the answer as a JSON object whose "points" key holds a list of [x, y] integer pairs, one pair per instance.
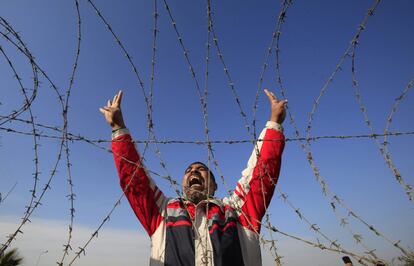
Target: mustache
{"points": [[197, 174]]}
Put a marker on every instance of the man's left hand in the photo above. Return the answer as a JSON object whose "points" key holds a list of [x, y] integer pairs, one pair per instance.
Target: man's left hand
{"points": [[278, 112]]}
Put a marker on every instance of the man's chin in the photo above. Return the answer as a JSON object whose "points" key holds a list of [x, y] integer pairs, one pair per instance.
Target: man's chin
{"points": [[195, 196]]}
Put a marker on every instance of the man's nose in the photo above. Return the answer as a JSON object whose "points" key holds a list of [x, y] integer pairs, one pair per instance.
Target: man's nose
{"points": [[194, 171]]}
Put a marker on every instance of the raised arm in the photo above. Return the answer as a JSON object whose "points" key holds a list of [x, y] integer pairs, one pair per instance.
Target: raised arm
{"points": [[146, 200], [256, 186]]}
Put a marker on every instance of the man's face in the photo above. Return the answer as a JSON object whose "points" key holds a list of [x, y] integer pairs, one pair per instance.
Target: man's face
{"points": [[197, 183]]}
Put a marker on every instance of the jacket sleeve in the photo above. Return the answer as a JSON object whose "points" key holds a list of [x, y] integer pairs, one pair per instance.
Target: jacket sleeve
{"points": [[256, 186], [146, 200]]}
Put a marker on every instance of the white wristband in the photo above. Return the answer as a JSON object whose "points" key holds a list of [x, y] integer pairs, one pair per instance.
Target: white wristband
{"points": [[274, 125], [119, 132]]}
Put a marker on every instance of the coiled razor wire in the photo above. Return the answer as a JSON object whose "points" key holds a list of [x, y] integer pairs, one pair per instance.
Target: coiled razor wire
{"points": [[63, 135]]}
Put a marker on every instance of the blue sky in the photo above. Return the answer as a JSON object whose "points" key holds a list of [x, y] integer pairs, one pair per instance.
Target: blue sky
{"points": [[314, 37]]}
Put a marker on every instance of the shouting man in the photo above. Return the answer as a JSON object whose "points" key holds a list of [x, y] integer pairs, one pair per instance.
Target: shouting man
{"points": [[200, 229]]}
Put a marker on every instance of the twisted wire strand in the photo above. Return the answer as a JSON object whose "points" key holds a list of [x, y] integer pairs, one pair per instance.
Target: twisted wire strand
{"points": [[306, 146], [384, 152], [67, 136], [71, 196], [19, 44], [315, 228], [230, 80], [394, 108], [334, 246], [338, 67], [276, 256], [207, 253], [117, 201], [151, 128], [148, 102], [203, 102], [150, 125], [274, 41], [272, 242], [281, 16], [78, 137], [209, 143], [276, 37], [33, 130], [361, 258], [27, 103], [82, 249]]}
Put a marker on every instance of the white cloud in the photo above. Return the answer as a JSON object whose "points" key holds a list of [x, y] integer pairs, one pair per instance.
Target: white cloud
{"points": [[127, 247], [112, 247], [297, 253]]}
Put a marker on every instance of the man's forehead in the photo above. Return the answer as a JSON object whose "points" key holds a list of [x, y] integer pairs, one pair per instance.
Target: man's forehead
{"points": [[196, 165]]}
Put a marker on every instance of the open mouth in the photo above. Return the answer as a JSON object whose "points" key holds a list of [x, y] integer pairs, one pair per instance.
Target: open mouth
{"points": [[195, 181]]}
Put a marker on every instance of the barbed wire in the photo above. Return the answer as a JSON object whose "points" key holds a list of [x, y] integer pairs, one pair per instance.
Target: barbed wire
{"points": [[306, 146], [64, 136], [338, 67], [231, 84], [274, 41], [384, 152], [20, 45], [33, 130], [396, 104], [188, 61], [273, 247], [71, 196], [315, 228], [203, 103], [361, 259], [207, 253], [335, 248], [78, 137], [150, 124], [275, 36]]}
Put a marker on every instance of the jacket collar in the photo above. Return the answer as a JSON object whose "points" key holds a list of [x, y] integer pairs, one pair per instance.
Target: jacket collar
{"points": [[213, 200]]}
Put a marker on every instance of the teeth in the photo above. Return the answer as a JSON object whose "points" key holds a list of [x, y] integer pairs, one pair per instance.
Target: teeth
{"points": [[194, 181]]}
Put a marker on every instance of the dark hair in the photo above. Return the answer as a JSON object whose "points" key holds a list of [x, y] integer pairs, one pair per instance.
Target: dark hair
{"points": [[203, 164]]}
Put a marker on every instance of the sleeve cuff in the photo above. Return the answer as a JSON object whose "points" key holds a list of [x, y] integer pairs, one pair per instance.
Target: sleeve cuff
{"points": [[119, 132], [274, 125]]}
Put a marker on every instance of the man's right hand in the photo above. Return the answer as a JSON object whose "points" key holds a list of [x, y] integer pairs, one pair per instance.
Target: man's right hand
{"points": [[112, 112]]}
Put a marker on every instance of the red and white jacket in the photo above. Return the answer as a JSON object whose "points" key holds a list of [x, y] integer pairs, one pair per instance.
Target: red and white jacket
{"points": [[216, 232]]}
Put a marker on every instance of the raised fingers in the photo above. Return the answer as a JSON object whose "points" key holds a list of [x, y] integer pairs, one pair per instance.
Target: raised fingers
{"points": [[103, 110], [118, 98], [114, 99], [270, 95]]}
